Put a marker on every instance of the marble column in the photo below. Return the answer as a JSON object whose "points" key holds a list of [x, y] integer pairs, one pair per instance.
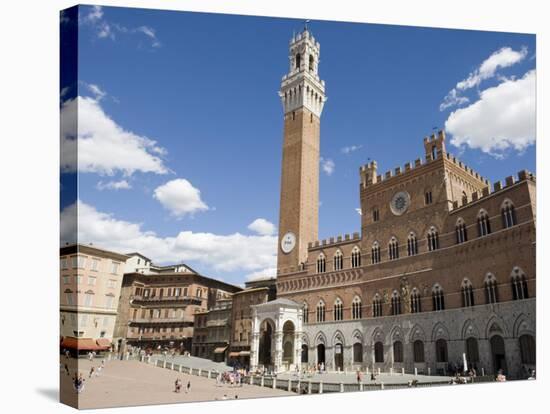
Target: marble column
{"points": [[298, 351]]}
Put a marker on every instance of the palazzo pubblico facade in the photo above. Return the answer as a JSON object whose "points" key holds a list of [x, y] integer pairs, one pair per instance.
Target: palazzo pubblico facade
{"points": [[442, 271]]}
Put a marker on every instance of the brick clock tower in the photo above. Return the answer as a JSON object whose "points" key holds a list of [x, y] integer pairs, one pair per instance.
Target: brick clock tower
{"points": [[303, 96]]}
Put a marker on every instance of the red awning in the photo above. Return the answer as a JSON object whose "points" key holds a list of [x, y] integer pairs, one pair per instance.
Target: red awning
{"points": [[80, 344], [103, 343]]}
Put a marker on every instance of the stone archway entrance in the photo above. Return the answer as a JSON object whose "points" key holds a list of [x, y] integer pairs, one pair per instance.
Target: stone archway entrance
{"points": [[266, 343], [321, 354], [498, 353], [339, 357], [288, 343], [305, 351]]}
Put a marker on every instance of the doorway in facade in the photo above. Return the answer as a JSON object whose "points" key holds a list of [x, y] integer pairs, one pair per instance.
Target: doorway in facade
{"points": [[339, 357], [498, 353], [266, 340], [321, 354], [304, 354]]}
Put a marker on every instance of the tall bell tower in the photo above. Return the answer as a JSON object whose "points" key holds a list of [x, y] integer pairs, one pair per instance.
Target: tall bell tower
{"points": [[303, 96]]}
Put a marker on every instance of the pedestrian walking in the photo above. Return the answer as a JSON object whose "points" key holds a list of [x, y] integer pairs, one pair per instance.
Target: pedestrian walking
{"points": [[178, 385], [92, 371], [188, 387]]}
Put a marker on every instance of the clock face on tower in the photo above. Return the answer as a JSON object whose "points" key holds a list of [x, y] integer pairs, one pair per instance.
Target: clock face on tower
{"points": [[400, 202], [288, 242]]}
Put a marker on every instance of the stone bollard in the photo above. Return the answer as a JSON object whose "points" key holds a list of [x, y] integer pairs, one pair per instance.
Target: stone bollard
{"points": [[381, 385], [429, 371], [391, 371], [164, 364], [378, 371], [402, 371], [415, 371], [299, 387], [127, 356], [109, 357], [172, 366], [361, 386], [289, 385], [200, 371], [320, 387], [181, 368], [367, 370], [261, 380], [141, 358], [341, 387], [482, 371], [208, 374], [274, 382], [309, 387]]}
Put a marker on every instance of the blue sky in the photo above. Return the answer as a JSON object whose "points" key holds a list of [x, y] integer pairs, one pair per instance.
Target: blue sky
{"points": [[196, 96]]}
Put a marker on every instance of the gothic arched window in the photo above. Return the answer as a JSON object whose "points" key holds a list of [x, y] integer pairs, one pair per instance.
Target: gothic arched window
{"points": [[519, 284], [376, 306], [393, 249], [356, 308], [491, 289], [321, 311], [298, 61], [438, 298], [483, 223], [311, 63], [461, 232], [433, 239], [321, 263], [415, 301], [395, 303], [305, 313], [467, 294], [338, 260], [338, 310], [356, 257], [412, 244], [508, 214], [375, 251]]}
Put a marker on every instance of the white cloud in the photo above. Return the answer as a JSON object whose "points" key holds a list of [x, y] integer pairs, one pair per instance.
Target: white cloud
{"points": [[503, 118], [113, 185], [180, 197], [453, 99], [502, 58], [232, 252], [262, 227], [104, 147], [327, 165], [105, 29], [350, 149], [262, 274], [95, 90], [95, 14], [359, 211]]}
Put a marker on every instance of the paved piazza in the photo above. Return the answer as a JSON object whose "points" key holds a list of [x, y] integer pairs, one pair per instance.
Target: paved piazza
{"points": [[126, 383]]}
